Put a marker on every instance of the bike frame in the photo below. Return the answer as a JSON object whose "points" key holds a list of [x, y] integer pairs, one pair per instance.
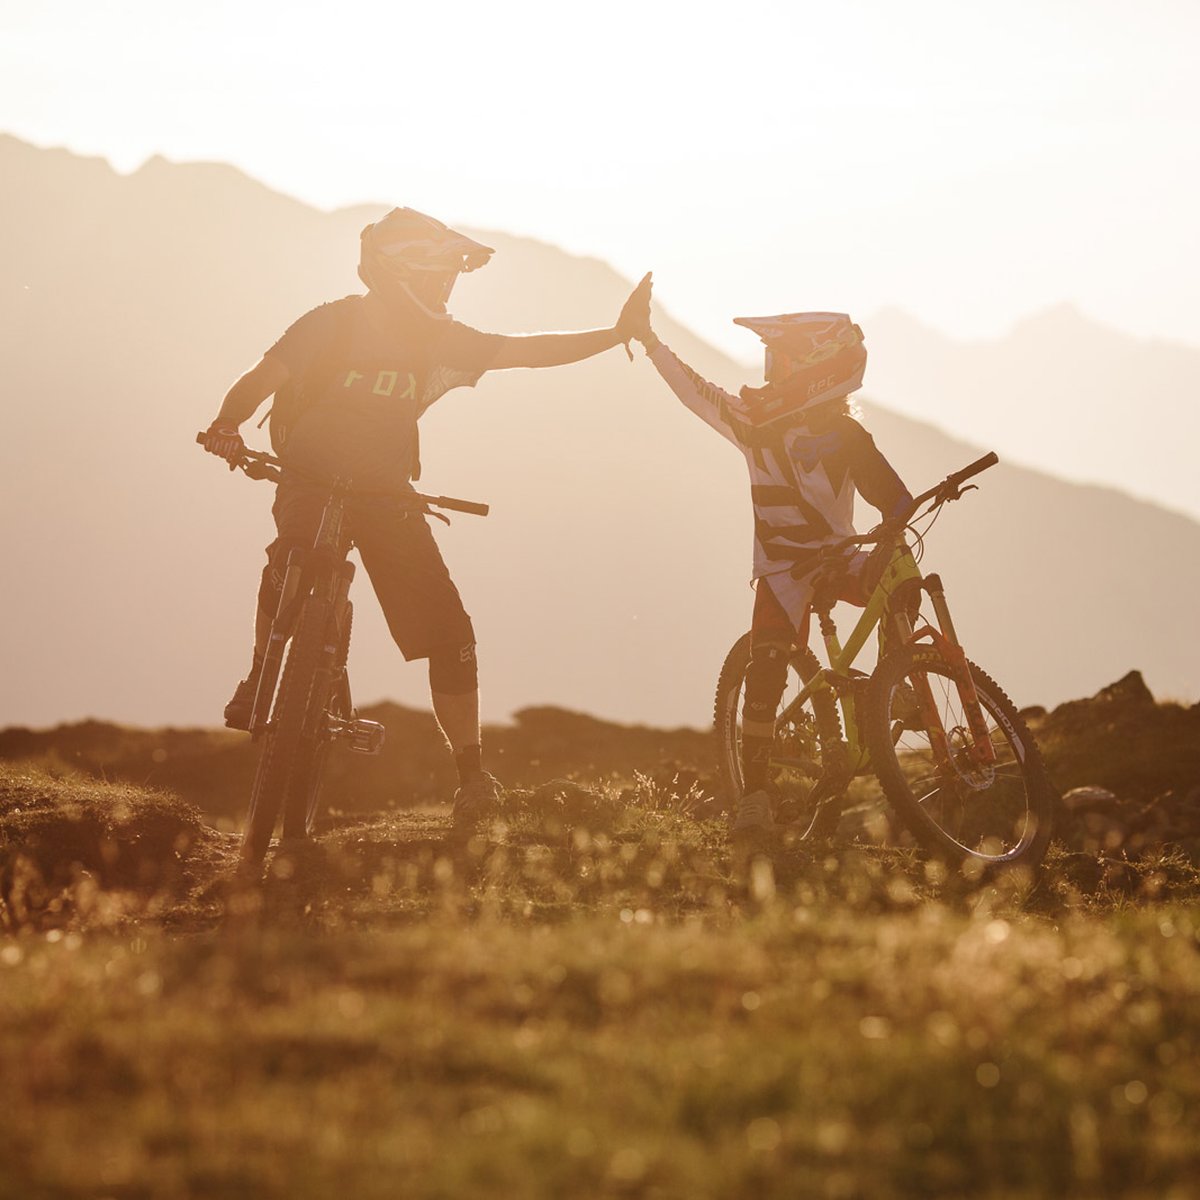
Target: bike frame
{"points": [[306, 570], [322, 568], [901, 569]]}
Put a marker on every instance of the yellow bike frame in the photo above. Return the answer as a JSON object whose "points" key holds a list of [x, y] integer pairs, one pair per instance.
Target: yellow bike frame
{"points": [[901, 569]]}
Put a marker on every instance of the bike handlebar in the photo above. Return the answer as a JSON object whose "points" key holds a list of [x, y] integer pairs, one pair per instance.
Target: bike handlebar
{"points": [[955, 480], [258, 464], [949, 489]]}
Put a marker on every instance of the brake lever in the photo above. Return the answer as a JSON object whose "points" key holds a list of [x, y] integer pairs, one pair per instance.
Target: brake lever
{"points": [[259, 470]]}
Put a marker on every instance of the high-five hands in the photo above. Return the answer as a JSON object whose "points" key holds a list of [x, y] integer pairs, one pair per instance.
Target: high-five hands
{"points": [[634, 321]]}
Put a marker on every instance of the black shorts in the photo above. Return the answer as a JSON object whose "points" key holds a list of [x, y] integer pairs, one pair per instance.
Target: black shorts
{"points": [[423, 608]]}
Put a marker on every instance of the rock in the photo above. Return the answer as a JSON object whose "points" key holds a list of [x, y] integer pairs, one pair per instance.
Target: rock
{"points": [[1090, 799], [1129, 691], [1095, 822], [1127, 699]]}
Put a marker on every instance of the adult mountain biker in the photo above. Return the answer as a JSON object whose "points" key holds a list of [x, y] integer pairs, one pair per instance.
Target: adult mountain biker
{"points": [[807, 456], [351, 378]]}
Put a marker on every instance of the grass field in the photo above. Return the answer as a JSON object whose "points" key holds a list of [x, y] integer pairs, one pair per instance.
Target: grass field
{"points": [[583, 1002]]}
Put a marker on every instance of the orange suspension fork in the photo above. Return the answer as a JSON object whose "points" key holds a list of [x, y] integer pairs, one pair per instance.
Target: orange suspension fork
{"points": [[931, 718], [982, 749]]}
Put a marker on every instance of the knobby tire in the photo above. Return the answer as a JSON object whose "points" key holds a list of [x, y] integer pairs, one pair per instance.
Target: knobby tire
{"points": [[997, 817], [290, 751], [796, 762]]}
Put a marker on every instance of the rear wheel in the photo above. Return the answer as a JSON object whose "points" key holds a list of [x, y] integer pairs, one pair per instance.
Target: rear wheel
{"points": [[293, 743], [996, 814], [796, 760]]}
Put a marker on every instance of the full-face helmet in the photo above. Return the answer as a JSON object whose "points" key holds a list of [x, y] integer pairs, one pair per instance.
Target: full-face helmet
{"points": [[414, 259], [811, 359]]}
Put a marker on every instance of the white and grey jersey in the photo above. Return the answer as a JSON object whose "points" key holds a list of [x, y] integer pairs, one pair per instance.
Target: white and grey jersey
{"points": [[802, 482]]}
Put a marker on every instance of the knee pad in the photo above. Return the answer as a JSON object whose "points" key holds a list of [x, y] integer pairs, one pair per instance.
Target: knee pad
{"points": [[453, 669], [766, 677], [272, 577]]}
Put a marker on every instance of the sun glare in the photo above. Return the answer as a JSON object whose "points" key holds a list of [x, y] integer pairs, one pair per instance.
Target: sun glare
{"points": [[786, 156]]}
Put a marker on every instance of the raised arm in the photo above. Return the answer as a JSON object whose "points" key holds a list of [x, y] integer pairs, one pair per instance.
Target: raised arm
{"points": [[553, 349], [558, 349], [709, 402]]}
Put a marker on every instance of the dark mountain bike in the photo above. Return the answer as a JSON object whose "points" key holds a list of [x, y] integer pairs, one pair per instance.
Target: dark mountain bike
{"points": [[952, 755], [303, 703]]}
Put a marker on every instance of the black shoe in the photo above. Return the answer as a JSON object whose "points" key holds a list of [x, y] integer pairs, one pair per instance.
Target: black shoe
{"points": [[475, 800], [754, 813], [240, 709]]}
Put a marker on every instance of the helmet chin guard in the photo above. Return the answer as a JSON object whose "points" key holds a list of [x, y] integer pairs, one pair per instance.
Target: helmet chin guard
{"points": [[414, 259], [811, 359]]}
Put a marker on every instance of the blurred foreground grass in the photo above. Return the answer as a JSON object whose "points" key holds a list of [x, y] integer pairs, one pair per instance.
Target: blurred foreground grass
{"points": [[583, 1003]]}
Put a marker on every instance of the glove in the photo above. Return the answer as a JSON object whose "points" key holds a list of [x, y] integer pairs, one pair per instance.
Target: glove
{"points": [[222, 439]]}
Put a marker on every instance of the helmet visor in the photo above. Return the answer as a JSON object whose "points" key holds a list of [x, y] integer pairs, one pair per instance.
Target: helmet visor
{"points": [[779, 366]]}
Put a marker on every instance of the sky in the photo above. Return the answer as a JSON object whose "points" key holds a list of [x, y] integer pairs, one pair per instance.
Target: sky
{"points": [[968, 163]]}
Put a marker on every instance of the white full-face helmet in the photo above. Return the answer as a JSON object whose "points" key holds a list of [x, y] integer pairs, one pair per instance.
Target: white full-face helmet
{"points": [[811, 359], [410, 259]]}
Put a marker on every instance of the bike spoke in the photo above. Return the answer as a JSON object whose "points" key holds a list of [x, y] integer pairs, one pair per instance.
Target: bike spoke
{"points": [[982, 808]]}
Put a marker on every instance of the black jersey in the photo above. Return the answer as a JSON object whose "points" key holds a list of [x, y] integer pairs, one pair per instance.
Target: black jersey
{"points": [[362, 423]]}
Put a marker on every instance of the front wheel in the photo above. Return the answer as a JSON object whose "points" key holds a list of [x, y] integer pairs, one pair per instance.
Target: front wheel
{"points": [[292, 756], [954, 802]]}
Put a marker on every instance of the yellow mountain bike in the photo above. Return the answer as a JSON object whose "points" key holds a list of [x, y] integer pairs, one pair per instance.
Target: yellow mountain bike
{"points": [[952, 755]]}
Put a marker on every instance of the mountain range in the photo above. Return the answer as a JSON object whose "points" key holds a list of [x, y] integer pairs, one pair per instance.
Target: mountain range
{"points": [[1059, 392], [612, 574]]}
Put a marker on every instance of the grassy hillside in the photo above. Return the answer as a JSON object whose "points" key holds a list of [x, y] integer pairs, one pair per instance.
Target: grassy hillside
{"points": [[214, 768], [821, 1049], [585, 1001], [1144, 755]]}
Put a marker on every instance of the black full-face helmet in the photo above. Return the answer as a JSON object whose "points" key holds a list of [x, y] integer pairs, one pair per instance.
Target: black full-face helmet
{"points": [[410, 259]]}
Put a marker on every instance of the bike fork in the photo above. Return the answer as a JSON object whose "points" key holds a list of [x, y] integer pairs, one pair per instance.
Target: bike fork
{"points": [[927, 705], [982, 749], [331, 660], [281, 629]]}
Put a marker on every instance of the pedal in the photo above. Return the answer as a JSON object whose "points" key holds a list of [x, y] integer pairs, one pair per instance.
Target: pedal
{"points": [[362, 737]]}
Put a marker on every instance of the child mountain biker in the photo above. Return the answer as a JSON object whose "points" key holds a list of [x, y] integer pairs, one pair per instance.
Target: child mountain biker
{"points": [[806, 456], [354, 376]]}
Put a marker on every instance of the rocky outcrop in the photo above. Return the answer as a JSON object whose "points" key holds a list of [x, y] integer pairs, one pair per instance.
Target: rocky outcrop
{"points": [[1128, 768]]}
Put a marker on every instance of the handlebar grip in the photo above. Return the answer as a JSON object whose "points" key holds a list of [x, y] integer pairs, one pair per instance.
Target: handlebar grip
{"points": [[980, 464], [200, 438], [462, 506]]}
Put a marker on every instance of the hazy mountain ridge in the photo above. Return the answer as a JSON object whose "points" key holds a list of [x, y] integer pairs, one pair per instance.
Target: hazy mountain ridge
{"points": [[1060, 392], [612, 574]]}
